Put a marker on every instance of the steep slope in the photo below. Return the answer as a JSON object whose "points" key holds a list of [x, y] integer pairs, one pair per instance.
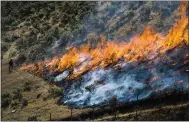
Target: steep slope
{"points": [[29, 29], [33, 31], [40, 102], [149, 63]]}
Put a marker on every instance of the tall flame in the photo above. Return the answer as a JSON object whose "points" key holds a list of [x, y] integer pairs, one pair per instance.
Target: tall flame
{"points": [[142, 47]]}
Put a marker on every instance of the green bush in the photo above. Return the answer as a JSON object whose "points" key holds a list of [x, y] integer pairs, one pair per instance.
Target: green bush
{"points": [[20, 59], [55, 92], [131, 13], [112, 9], [32, 118], [8, 20], [38, 96], [53, 32], [45, 98], [27, 86], [14, 103], [12, 54], [149, 4], [9, 38], [4, 47], [17, 95], [24, 102], [5, 100]]}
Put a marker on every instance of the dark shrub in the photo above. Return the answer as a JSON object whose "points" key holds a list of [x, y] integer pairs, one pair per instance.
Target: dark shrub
{"points": [[27, 86], [20, 59], [5, 100], [14, 103], [38, 96], [17, 94], [32, 118], [55, 92], [24, 102]]}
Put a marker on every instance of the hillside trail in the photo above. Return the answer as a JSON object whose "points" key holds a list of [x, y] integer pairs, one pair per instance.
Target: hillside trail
{"points": [[41, 107]]}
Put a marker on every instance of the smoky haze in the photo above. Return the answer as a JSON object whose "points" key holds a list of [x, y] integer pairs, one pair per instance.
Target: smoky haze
{"points": [[118, 21]]}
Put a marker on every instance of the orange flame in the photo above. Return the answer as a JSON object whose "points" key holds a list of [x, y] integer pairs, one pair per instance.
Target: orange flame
{"points": [[141, 47]]}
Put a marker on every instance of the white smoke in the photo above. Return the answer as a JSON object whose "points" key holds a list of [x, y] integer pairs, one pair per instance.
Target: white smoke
{"points": [[99, 86], [61, 76], [104, 85]]}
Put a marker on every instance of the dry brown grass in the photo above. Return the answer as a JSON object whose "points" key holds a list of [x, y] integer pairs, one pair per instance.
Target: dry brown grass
{"points": [[167, 113], [36, 106]]}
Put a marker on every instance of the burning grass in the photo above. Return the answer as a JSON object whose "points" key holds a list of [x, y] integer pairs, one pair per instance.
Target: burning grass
{"points": [[86, 66], [144, 46]]}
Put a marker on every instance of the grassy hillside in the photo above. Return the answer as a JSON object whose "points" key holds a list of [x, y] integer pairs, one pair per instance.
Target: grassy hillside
{"points": [[33, 31], [26, 97], [29, 29]]}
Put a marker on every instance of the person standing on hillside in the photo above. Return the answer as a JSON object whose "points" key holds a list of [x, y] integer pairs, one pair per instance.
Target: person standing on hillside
{"points": [[10, 66]]}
